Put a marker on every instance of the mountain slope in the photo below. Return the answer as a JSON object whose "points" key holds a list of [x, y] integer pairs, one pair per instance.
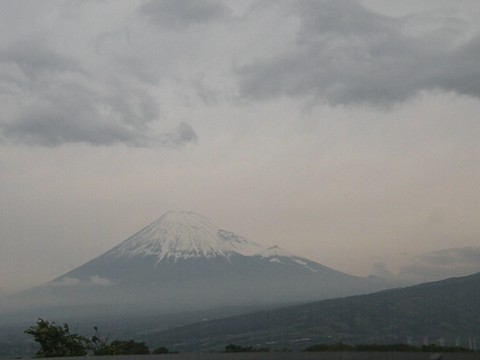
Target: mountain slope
{"points": [[447, 310], [182, 261]]}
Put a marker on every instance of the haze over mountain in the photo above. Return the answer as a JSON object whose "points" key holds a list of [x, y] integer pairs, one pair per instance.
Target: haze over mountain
{"points": [[182, 261], [444, 312]]}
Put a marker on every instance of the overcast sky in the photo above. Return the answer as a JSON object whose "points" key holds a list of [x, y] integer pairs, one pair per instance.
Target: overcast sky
{"points": [[344, 131]]}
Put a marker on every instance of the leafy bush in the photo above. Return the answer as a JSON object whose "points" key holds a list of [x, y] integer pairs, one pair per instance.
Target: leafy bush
{"points": [[57, 341], [232, 348], [161, 350], [125, 347]]}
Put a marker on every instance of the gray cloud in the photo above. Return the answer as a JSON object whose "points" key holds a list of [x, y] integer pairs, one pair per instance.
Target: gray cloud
{"points": [[183, 135], [94, 280], [346, 54], [66, 281], [57, 102], [442, 264], [381, 270], [100, 281], [34, 59], [181, 14], [73, 113], [459, 71]]}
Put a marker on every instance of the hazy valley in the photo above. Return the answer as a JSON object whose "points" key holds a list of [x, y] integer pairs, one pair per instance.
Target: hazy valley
{"points": [[185, 283]]}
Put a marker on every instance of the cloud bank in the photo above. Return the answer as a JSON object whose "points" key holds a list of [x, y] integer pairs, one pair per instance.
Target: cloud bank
{"points": [[346, 54], [110, 90], [94, 280], [181, 14], [50, 99], [442, 264]]}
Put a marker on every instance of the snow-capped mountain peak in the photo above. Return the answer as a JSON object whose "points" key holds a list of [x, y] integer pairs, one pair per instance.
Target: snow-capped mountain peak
{"points": [[181, 235], [183, 261]]}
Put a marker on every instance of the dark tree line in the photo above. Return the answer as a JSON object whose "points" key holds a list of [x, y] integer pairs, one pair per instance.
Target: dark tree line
{"points": [[232, 348], [384, 347]]}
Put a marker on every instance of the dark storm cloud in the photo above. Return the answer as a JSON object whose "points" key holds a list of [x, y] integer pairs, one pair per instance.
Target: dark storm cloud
{"points": [[58, 103], [346, 54], [181, 14], [443, 263]]}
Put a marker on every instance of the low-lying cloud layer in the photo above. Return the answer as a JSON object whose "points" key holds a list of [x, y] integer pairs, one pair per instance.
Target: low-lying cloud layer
{"points": [[94, 280], [442, 264]]}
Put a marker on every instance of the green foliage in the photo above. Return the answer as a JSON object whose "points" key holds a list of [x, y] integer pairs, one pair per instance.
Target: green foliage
{"points": [[101, 346], [450, 349], [384, 348], [125, 347], [161, 350], [232, 348], [57, 341]]}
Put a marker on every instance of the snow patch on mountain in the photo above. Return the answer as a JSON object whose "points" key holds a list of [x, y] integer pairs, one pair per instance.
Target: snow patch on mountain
{"points": [[183, 235], [304, 264], [276, 254]]}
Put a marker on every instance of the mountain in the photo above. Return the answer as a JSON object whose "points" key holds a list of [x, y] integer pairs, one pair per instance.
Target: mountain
{"points": [[182, 261], [444, 312]]}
